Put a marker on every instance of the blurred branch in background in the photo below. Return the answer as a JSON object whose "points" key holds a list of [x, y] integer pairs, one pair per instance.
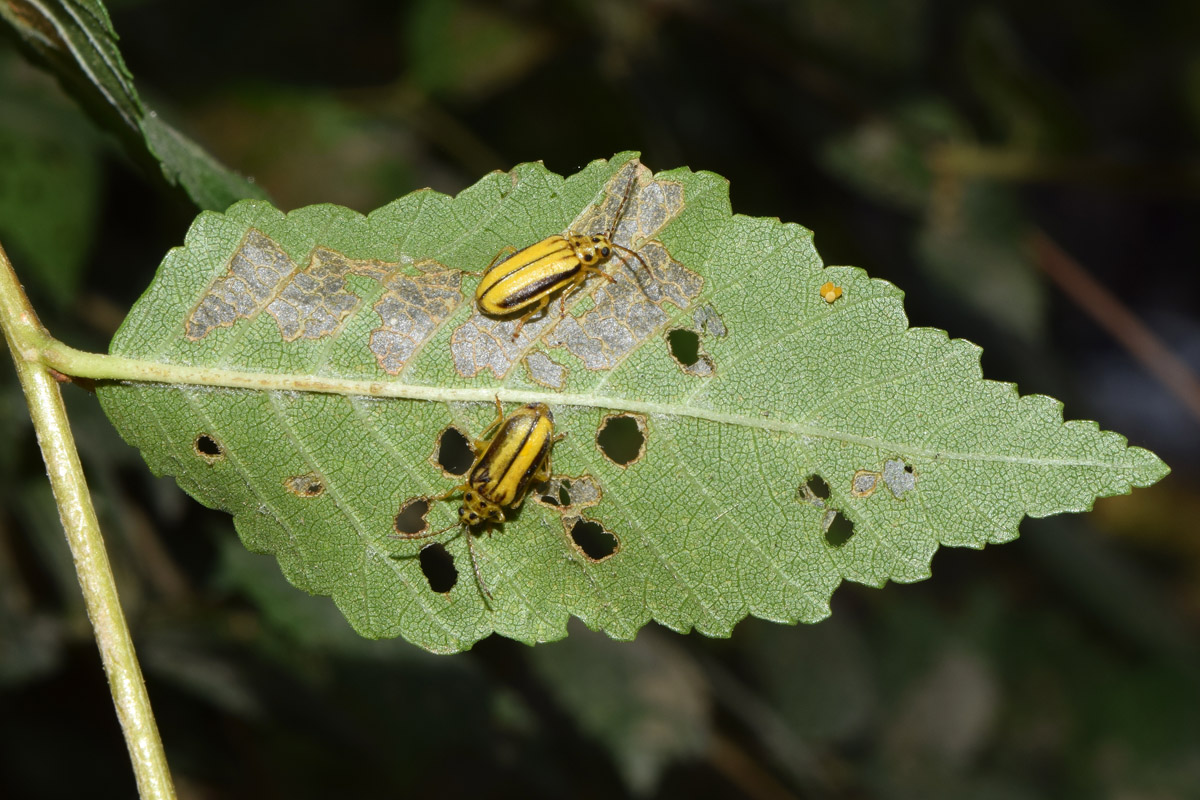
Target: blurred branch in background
{"points": [[1020, 166], [1113, 316]]}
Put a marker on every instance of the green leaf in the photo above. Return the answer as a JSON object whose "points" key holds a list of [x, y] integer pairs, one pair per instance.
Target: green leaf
{"points": [[49, 186], [76, 41], [184, 163], [348, 344]]}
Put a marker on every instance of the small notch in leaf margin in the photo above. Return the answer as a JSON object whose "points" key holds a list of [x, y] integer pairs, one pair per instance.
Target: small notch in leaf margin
{"points": [[592, 539], [622, 438], [208, 448]]}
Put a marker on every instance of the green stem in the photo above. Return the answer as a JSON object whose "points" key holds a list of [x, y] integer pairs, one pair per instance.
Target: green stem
{"points": [[24, 334]]}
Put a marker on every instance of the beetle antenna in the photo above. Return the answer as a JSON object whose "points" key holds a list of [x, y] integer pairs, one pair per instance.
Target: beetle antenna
{"points": [[624, 202], [475, 566]]}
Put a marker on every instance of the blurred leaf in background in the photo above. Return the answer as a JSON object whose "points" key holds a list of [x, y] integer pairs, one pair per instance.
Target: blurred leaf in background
{"points": [[49, 182], [75, 41]]}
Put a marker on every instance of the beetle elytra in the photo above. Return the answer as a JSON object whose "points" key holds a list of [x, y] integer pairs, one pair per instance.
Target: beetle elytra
{"points": [[516, 457], [527, 279]]}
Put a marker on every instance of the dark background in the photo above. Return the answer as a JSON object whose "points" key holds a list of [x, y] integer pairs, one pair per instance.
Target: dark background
{"points": [[934, 143]]}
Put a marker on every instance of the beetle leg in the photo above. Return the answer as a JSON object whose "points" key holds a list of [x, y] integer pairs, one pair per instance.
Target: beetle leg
{"points": [[480, 444], [448, 494], [573, 288], [506, 250], [521, 323]]}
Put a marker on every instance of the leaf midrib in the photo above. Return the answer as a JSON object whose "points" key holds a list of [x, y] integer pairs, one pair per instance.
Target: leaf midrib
{"points": [[119, 368]]}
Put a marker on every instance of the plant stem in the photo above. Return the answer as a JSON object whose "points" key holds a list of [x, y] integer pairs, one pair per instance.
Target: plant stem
{"points": [[23, 331]]}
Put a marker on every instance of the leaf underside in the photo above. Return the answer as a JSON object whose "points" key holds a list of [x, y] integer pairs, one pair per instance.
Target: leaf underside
{"points": [[791, 436]]}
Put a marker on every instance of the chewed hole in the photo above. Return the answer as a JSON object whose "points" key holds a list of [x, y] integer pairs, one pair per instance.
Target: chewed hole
{"points": [[838, 530], [685, 346], [621, 439], [817, 485], [411, 519], [438, 566], [208, 448], [454, 452], [814, 491], [562, 492], [593, 540], [561, 497]]}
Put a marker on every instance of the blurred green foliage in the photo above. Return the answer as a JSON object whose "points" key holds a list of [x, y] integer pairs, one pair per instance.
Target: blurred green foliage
{"points": [[921, 140]]}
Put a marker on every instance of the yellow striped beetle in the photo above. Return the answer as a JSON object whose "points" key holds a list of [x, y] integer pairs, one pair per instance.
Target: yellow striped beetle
{"points": [[514, 459], [528, 278]]}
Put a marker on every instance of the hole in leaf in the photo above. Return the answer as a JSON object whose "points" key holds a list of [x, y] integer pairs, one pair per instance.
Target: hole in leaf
{"points": [[562, 492], [438, 566], [454, 453], [838, 530], [814, 491], [208, 448], [622, 439], [593, 540], [817, 485], [685, 346], [411, 519], [558, 493]]}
